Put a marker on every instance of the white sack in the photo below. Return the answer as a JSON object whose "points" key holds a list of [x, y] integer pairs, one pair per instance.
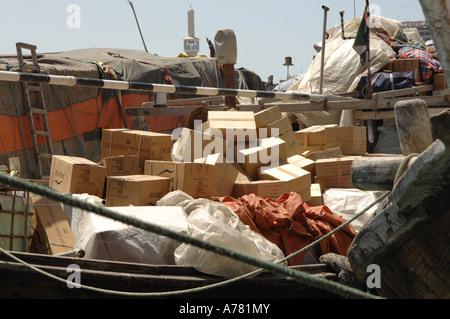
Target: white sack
{"points": [[106, 239], [216, 223], [342, 68], [348, 202]]}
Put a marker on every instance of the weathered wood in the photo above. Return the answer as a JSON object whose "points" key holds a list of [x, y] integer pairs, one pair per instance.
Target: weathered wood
{"points": [[413, 126], [229, 83], [313, 106], [400, 227], [376, 173], [19, 281]]}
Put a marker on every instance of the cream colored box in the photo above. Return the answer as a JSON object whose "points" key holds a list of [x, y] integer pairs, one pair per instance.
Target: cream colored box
{"points": [[77, 175]]}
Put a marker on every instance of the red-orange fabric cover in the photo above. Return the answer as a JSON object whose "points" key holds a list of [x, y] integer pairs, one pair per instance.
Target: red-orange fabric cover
{"points": [[292, 224]]}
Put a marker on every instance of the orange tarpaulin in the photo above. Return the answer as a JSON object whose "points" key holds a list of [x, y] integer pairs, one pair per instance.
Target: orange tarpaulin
{"points": [[292, 224], [80, 118]]}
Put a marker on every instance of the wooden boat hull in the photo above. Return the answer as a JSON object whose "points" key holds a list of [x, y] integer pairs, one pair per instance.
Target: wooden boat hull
{"points": [[19, 281], [408, 237]]}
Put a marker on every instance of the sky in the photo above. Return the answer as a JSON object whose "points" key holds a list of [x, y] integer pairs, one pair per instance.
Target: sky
{"points": [[266, 31]]}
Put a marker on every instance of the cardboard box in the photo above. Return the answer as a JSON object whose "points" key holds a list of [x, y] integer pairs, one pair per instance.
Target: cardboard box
{"points": [[121, 165], [137, 190], [313, 135], [270, 149], [52, 233], [195, 179], [234, 125], [264, 188], [311, 148], [277, 127], [352, 140], [440, 82], [297, 178], [316, 195], [269, 115], [294, 149], [355, 147], [147, 145], [77, 175], [302, 162], [162, 169], [334, 166], [342, 181], [345, 133], [225, 175], [404, 65], [193, 144], [267, 189], [289, 138], [327, 153]]}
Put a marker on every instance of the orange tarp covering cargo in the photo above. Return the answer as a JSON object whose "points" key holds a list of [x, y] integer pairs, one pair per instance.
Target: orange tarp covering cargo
{"points": [[292, 224], [76, 110]]}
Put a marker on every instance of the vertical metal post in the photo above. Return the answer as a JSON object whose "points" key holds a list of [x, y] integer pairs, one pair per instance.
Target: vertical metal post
{"points": [[137, 22], [325, 10]]}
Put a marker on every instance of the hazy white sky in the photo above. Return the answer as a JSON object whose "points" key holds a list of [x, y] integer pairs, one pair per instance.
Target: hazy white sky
{"points": [[266, 31]]}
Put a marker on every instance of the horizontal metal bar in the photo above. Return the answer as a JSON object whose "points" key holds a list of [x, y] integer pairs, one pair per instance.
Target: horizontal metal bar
{"points": [[354, 104], [162, 88]]}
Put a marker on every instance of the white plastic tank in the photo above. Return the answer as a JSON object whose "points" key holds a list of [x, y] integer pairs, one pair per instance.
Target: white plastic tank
{"points": [[225, 45]]}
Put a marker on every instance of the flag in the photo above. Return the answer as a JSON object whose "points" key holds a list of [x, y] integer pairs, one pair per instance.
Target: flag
{"points": [[361, 44]]}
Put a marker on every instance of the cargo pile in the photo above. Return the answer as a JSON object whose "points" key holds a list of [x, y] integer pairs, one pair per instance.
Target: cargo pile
{"points": [[231, 156]]}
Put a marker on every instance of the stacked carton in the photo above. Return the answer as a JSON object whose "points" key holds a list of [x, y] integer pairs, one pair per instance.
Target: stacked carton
{"points": [[265, 164], [312, 138], [334, 172], [146, 145], [352, 140], [77, 175], [234, 153]]}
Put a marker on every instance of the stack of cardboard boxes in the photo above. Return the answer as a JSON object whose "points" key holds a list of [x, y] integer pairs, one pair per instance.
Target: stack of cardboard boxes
{"points": [[352, 140], [233, 154]]}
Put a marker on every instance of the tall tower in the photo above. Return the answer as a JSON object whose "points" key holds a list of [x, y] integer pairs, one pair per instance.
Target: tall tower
{"points": [[191, 43]]}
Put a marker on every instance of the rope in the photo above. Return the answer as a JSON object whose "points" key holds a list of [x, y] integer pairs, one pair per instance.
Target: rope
{"points": [[275, 268]]}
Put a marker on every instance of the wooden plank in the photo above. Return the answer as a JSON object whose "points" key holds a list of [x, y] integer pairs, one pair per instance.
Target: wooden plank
{"points": [[350, 104], [402, 92]]}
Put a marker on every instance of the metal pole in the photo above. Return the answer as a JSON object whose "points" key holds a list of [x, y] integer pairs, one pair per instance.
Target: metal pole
{"points": [[325, 10], [369, 74], [163, 88], [137, 22]]}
